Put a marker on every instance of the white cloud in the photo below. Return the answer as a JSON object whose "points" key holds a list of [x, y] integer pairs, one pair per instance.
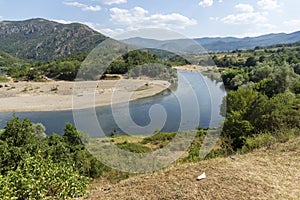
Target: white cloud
{"points": [[245, 15], [266, 26], [245, 18], [292, 25], [140, 18], [111, 32], [268, 4], [89, 24], [110, 2], [206, 3], [244, 8], [92, 8], [83, 7], [293, 22]]}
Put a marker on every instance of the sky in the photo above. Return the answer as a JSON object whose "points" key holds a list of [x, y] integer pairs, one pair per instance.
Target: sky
{"points": [[189, 18]]}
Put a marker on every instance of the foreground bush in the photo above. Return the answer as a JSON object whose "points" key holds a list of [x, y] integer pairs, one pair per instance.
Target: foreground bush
{"points": [[35, 166], [37, 178]]}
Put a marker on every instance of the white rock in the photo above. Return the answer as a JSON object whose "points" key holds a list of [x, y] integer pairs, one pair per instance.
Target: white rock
{"points": [[202, 176]]}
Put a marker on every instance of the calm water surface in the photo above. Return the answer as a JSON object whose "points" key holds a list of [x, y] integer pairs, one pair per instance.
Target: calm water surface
{"points": [[209, 95]]}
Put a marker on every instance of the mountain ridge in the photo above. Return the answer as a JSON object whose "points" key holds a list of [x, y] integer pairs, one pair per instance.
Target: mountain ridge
{"points": [[41, 39], [219, 44]]}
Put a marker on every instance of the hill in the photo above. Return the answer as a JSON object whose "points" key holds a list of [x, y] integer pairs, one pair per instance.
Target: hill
{"points": [[7, 60], [230, 43], [217, 44], [268, 173], [40, 39]]}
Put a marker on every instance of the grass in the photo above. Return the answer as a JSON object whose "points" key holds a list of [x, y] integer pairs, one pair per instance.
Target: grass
{"points": [[134, 147], [268, 139], [267, 173], [3, 79]]}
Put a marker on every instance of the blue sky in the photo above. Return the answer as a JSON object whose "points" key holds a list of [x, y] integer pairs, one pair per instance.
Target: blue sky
{"points": [[191, 18]]}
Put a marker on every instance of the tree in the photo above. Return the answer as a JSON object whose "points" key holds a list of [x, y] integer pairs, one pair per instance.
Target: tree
{"points": [[71, 136], [18, 133], [39, 131], [251, 61]]}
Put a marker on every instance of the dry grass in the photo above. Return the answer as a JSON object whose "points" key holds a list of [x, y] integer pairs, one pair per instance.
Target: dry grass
{"points": [[272, 173]]}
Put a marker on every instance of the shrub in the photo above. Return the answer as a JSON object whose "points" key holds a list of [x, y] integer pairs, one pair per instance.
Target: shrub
{"points": [[38, 178], [134, 147], [158, 138], [257, 141]]}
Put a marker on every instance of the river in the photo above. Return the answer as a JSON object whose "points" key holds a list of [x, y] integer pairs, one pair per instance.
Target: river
{"points": [[209, 94]]}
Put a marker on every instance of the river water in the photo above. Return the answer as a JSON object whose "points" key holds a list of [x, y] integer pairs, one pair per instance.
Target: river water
{"points": [[209, 95]]}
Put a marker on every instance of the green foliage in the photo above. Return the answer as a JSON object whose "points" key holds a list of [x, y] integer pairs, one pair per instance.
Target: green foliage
{"points": [[159, 138], [39, 131], [7, 60], [250, 112], [257, 141], [131, 60], [144, 63], [18, 133], [233, 79], [134, 147], [194, 149], [38, 178], [33, 165], [64, 68], [40, 39], [177, 60], [3, 79], [251, 61], [268, 139], [296, 87]]}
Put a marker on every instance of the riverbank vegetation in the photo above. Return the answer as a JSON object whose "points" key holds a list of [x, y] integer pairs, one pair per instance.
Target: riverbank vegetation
{"points": [[263, 104], [134, 64]]}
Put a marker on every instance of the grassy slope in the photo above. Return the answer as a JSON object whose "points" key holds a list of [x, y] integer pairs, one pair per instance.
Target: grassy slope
{"points": [[272, 173]]}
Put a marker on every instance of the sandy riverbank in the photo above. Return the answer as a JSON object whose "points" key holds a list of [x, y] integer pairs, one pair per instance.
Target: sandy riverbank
{"points": [[58, 95], [194, 68]]}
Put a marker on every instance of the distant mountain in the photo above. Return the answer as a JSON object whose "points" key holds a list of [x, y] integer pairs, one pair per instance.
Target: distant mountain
{"points": [[41, 39], [216, 44]]}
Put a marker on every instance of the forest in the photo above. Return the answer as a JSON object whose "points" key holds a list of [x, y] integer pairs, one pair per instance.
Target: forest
{"points": [[132, 64]]}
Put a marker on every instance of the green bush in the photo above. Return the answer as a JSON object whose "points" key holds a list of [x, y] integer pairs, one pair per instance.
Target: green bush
{"points": [[3, 78], [158, 138], [257, 141], [33, 166], [38, 178], [268, 139], [134, 147]]}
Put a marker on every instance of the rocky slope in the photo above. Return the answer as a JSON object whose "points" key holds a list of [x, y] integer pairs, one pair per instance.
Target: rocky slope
{"points": [[41, 39]]}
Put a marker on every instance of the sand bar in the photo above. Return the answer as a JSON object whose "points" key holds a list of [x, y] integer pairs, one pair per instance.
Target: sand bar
{"points": [[194, 68], [58, 95]]}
